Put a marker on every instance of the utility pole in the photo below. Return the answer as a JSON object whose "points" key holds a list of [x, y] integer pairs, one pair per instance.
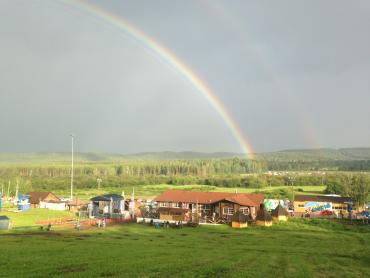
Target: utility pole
{"points": [[99, 180], [292, 184], [16, 190], [71, 197], [7, 196]]}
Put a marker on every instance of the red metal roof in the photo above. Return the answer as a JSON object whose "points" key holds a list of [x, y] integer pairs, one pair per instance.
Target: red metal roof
{"points": [[183, 196]]}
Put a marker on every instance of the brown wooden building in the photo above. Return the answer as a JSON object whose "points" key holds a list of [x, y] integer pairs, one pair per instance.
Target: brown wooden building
{"points": [[36, 197], [208, 206]]}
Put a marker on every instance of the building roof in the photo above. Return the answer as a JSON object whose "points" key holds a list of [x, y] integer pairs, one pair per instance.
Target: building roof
{"points": [[36, 197], [183, 196], [179, 210], [263, 214], [240, 217], [77, 202], [279, 211], [107, 198], [316, 198], [4, 217], [54, 202]]}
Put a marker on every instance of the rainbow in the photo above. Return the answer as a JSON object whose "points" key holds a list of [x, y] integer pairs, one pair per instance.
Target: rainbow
{"points": [[172, 60], [281, 86]]}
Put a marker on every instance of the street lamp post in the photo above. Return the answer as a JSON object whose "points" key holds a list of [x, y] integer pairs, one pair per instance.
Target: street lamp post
{"points": [[292, 185], [71, 197], [99, 180]]}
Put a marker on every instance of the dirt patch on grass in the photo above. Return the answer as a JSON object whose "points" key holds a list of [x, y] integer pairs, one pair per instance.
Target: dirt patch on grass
{"points": [[108, 274], [73, 268], [49, 234]]}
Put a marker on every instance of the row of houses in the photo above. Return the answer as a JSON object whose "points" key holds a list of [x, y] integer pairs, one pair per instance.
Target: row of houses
{"points": [[216, 207], [190, 206], [181, 205]]}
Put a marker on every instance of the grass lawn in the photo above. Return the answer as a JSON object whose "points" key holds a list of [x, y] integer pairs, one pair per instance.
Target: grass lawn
{"points": [[299, 248], [29, 217], [154, 190]]}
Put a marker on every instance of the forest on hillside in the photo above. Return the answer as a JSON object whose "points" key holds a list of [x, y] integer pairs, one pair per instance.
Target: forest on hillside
{"points": [[234, 172]]}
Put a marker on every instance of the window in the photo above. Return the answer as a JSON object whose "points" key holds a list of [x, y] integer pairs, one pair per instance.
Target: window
{"points": [[206, 207], [301, 206], [176, 205], [163, 205], [245, 210], [185, 205], [228, 211]]}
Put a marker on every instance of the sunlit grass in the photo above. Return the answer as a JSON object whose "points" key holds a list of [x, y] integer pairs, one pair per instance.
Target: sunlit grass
{"points": [[299, 248]]}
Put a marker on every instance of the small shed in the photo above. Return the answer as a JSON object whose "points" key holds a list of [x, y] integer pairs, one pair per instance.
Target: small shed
{"points": [[240, 220], [77, 205], [107, 205], [263, 217], [4, 222], [280, 213], [53, 205]]}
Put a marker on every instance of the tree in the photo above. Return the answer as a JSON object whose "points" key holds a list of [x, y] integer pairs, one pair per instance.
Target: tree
{"points": [[119, 170]]}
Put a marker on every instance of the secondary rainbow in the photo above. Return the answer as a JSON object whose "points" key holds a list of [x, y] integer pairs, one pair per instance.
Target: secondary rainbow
{"points": [[172, 60]]}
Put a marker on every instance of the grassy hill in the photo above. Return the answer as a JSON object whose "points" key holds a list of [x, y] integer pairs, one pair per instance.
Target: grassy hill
{"points": [[298, 248]]}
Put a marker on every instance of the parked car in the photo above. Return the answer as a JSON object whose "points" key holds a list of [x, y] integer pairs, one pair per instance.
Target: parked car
{"points": [[326, 213]]}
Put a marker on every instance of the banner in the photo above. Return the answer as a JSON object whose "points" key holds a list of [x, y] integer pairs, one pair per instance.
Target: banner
{"points": [[318, 206]]}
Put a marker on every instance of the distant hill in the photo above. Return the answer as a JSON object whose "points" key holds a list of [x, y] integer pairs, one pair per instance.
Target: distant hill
{"points": [[317, 154], [182, 155], [285, 155], [106, 157]]}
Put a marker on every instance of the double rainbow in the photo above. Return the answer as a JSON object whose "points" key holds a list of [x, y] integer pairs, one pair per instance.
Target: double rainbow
{"points": [[172, 60]]}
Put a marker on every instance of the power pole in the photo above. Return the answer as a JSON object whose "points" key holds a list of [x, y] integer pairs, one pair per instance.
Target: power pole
{"points": [[71, 197], [16, 190], [7, 196], [99, 180]]}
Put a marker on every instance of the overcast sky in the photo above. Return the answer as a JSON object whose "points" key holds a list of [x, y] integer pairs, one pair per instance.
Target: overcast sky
{"points": [[292, 74]]}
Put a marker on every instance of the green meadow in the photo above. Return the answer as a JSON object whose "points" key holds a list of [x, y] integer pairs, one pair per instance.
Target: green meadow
{"points": [[298, 248], [148, 191], [27, 219]]}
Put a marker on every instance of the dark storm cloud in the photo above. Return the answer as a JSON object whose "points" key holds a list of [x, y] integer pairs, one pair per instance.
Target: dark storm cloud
{"points": [[292, 74]]}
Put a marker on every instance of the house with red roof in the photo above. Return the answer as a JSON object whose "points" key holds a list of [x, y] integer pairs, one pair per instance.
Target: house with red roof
{"points": [[182, 205]]}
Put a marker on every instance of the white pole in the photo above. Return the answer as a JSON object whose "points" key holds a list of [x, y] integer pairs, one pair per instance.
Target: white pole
{"points": [[16, 190], [71, 197], [7, 196]]}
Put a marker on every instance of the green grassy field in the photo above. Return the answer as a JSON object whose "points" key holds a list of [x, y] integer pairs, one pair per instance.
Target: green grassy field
{"points": [[29, 218], [145, 191], [299, 248]]}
